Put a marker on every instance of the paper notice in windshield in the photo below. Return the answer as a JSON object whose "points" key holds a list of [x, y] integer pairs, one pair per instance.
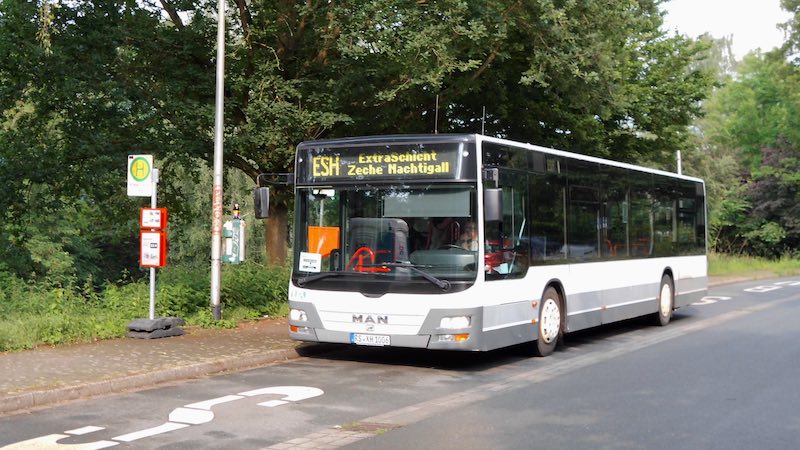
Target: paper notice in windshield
{"points": [[310, 262]]}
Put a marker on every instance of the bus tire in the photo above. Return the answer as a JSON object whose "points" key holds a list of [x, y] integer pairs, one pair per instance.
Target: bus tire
{"points": [[666, 301], [551, 321]]}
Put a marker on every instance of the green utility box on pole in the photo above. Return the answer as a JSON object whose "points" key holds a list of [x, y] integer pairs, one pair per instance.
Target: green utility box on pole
{"points": [[233, 238]]}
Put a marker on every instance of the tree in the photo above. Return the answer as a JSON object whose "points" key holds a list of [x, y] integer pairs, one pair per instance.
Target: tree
{"points": [[587, 76], [753, 119], [591, 76], [775, 195], [757, 107]]}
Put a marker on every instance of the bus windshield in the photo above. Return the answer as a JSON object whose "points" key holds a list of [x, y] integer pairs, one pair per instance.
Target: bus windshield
{"points": [[402, 237]]}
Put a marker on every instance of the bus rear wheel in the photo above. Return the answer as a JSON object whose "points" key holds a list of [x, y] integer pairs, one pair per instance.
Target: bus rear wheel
{"points": [[666, 301], [550, 323]]}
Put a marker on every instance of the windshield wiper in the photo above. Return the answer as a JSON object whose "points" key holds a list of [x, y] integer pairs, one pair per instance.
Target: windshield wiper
{"points": [[317, 276], [441, 284]]}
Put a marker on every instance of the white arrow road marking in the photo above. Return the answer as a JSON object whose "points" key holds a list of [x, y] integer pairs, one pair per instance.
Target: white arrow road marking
{"points": [[191, 416], [708, 300], [762, 289], [292, 393], [164, 428], [208, 404], [183, 417], [84, 430], [51, 442]]}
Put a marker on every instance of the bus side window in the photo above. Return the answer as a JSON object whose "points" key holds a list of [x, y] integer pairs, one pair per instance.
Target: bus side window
{"points": [[547, 215]]}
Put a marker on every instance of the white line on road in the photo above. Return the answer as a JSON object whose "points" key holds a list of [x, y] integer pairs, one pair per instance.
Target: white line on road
{"points": [[372, 426]]}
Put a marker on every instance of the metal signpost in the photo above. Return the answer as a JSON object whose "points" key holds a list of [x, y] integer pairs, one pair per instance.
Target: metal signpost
{"points": [[216, 199], [143, 182]]}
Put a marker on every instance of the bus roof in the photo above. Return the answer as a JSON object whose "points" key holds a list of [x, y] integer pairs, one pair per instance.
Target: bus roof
{"points": [[357, 141]]}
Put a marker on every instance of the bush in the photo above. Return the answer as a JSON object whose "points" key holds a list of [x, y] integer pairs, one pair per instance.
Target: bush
{"points": [[31, 315], [253, 286]]}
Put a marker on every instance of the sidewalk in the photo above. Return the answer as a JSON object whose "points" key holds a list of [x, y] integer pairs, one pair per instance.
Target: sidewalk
{"points": [[50, 375]]}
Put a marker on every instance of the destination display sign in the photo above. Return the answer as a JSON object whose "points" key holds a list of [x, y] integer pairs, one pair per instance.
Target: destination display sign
{"points": [[444, 161]]}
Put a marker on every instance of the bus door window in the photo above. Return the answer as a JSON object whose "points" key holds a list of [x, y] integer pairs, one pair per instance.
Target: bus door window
{"points": [[665, 212], [614, 238], [548, 204], [584, 224], [507, 242], [640, 216]]}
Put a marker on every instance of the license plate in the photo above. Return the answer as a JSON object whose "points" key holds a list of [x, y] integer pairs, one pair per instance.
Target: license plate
{"points": [[375, 340]]}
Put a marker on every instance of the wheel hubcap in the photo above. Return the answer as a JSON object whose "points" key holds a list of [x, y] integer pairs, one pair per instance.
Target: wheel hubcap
{"points": [[665, 302], [551, 321]]}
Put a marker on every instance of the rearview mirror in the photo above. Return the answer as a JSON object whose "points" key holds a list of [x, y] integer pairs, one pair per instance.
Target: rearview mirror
{"points": [[261, 202], [493, 205]]}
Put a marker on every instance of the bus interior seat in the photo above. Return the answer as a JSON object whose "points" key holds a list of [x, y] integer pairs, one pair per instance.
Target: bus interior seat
{"points": [[387, 238]]}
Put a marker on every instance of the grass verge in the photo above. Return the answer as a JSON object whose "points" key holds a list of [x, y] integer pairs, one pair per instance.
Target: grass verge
{"points": [[32, 315], [738, 266]]}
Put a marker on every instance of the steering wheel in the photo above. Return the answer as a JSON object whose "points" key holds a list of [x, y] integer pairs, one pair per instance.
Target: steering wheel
{"points": [[359, 254]]}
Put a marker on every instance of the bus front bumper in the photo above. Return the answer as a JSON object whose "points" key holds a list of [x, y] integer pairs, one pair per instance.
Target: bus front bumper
{"points": [[431, 334]]}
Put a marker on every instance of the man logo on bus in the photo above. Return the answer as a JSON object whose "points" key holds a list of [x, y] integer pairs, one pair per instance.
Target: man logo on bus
{"points": [[361, 318]]}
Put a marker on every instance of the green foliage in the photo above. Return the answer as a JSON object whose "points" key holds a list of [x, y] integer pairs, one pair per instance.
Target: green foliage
{"points": [[769, 233], [594, 76], [253, 287], [725, 265], [205, 319], [31, 315], [750, 142], [189, 233], [756, 108]]}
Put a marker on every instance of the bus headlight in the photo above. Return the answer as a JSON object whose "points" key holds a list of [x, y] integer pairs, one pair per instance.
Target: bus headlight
{"points": [[454, 323], [298, 315]]}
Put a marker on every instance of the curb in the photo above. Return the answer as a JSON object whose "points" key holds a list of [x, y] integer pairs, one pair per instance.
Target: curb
{"points": [[30, 400], [19, 403]]}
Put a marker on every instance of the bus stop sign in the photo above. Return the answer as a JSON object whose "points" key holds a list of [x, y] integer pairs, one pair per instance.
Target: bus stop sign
{"points": [[140, 175]]}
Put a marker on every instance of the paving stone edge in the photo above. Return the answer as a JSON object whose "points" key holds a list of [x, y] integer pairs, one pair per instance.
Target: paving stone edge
{"points": [[31, 400], [14, 404]]}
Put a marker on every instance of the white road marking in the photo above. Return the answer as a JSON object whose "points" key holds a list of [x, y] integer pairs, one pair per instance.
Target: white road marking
{"points": [[192, 414], [762, 289], [51, 442], [291, 393], [339, 436], [208, 404], [84, 430], [272, 403], [708, 300], [165, 428]]}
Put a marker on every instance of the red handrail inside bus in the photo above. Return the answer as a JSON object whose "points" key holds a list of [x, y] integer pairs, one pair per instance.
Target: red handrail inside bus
{"points": [[359, 267]]}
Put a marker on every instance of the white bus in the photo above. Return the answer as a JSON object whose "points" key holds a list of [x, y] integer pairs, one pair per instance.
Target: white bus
{"points": [[385, 253]]}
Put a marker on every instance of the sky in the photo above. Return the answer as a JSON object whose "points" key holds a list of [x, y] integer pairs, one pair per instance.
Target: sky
{"points": [[753, 23]]}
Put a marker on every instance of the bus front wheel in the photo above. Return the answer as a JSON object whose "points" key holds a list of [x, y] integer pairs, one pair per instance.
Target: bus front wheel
{"points": [[550, 322], [666, 301]]}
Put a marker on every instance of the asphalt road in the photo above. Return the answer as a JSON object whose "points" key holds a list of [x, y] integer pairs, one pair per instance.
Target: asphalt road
{"points": [[722, 375]]}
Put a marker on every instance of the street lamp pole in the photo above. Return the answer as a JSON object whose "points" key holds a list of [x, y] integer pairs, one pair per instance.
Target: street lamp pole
{"points": [[216, 203]]}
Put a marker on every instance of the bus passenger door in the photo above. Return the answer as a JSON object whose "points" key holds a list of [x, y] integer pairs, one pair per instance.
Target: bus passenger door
{"points": [[507, 240]]}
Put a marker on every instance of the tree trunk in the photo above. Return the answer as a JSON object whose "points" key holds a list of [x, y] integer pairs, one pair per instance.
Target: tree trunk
{"points": [[276, 229]]}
